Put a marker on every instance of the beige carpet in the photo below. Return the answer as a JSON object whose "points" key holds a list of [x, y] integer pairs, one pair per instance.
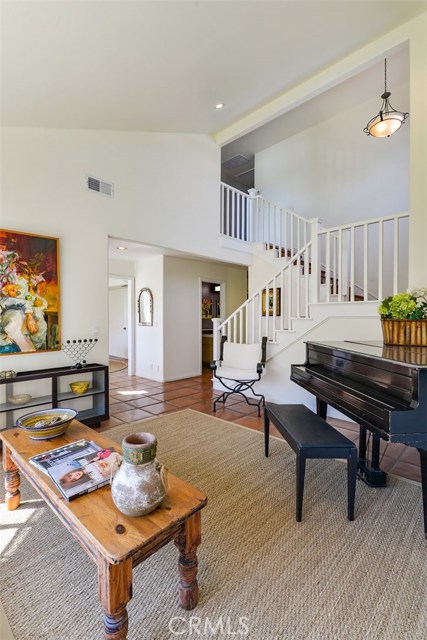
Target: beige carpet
{"points": [[325, 578]]}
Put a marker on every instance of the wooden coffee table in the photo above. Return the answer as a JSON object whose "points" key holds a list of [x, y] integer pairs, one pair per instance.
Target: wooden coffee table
{"points": [[116, 543]]}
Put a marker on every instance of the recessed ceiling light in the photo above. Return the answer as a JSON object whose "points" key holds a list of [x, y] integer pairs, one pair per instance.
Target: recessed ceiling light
{"points": [[122, 248], [219, 105]]}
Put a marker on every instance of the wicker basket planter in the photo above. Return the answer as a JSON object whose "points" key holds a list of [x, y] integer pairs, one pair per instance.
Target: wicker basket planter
{"points": [[405, 332]]}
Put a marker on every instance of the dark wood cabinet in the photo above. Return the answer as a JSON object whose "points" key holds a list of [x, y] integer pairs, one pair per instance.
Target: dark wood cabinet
{"points": [[207, 349], [51, 388]]}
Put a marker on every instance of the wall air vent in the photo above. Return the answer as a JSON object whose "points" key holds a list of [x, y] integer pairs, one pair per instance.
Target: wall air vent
{"points": [[100, 186]]}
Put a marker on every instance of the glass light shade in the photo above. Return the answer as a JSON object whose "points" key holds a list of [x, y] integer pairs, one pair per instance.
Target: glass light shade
{"points": [[385, 126], [388, 120]]}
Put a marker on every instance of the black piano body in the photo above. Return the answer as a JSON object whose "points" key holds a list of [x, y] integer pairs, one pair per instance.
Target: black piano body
{"points": [[382, 388]]}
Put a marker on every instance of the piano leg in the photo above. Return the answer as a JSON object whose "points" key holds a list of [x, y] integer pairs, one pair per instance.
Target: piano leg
{"points": [[362, 443], [369, 470], [321, 408], [423, 462]]}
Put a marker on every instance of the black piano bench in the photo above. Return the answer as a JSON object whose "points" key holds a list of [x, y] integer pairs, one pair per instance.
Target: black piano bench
{"points": [[311, 437]]}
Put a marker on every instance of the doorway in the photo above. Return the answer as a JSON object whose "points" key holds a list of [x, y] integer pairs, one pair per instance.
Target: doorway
{"points": [[211, 307], [121, 324]]}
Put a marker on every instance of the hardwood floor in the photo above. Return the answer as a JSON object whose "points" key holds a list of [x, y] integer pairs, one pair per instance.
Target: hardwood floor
{"points": [[133, 398]]}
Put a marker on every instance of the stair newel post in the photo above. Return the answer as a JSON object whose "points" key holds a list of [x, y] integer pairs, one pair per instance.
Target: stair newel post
{"points": [[314, 284], [253, 215], [216, 337], [345, 261]]}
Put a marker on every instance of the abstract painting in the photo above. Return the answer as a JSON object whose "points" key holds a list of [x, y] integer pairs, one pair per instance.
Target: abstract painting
{"points": [[29, 293]]}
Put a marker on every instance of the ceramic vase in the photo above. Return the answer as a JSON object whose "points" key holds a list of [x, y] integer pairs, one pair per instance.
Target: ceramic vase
{"points": [[139, 484]]}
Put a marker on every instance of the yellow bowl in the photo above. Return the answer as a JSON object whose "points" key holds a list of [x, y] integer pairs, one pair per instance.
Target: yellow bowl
{"points": [[46, 424], [79, 387]]}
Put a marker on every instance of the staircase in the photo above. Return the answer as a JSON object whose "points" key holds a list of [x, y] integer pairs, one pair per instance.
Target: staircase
{"points": [[318, 283]]}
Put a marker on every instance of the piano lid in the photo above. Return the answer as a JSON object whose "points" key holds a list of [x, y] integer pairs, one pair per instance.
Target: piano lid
{"points": [[413, 356]]}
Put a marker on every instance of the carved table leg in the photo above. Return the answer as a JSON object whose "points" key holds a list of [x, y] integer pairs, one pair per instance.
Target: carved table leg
{"points": [[187, 542], [12, 481], [115, 591]]}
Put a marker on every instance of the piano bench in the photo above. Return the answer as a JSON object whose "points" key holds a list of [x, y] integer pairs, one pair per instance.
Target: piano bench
{"points": [[311, 437]]}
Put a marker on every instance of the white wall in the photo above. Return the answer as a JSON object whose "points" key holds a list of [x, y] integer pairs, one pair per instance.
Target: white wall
{"points": [[171, 348], [418, 228], [121, 268], [335, 172], [41, 195], [149, 345], [182, 310], [165, 185]]}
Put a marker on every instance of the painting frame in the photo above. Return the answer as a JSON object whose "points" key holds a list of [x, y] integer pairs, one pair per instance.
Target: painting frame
{"points": [[270, 302], [30, 319]]}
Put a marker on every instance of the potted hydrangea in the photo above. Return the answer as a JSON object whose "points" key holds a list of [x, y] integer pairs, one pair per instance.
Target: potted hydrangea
{"points": [[404, 318]]}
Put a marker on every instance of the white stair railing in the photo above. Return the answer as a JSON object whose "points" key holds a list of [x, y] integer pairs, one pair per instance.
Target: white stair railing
{"points": [[280, 229], [235, 214], [365, 260], [273, 307], [252, 218]]}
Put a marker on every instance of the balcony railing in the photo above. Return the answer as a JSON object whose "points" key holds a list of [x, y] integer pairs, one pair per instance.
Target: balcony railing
{"points": [[251, 218]]}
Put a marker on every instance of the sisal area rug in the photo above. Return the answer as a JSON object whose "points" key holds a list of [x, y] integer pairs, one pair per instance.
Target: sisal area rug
{"points": [[117, 364], [262, 575]]}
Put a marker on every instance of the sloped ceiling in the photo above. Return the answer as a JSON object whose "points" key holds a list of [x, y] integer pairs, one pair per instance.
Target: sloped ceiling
{"points": [[163, 66]]}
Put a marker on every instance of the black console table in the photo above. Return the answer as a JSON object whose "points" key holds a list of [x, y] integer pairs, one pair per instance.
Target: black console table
{"points": [[51, 388]]}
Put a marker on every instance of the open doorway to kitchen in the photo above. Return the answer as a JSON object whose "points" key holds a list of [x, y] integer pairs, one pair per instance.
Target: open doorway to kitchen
{"points": [[212, 306]]}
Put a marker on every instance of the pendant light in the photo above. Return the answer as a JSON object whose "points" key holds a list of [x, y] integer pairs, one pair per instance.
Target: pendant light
{"points": [[388, 120]]}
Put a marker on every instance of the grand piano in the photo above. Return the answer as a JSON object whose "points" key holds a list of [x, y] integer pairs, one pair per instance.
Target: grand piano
{"points": [[382, 388]]}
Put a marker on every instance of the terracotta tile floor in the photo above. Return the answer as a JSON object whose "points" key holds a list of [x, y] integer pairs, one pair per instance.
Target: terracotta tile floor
{"points": [[133, 398]]}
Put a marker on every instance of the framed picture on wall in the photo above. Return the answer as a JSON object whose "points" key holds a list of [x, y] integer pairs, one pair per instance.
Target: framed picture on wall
{"points": [[29, 293], [270, 302]]}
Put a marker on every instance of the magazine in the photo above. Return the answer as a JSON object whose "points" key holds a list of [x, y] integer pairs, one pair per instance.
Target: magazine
{"points": [[44, 461], [83, 472]]}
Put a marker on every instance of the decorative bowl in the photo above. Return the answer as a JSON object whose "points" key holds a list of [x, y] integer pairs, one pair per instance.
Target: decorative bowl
{"points": [[47, 423], [20, 398], [79, 387], [12, 290]]}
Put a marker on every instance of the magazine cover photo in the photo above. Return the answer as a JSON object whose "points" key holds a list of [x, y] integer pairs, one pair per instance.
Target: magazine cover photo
{"points": [[84, 473], [44, 461]]}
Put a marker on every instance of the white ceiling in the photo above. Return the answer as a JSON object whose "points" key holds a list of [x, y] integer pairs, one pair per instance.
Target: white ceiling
{"points": [[162, 66], [365, 86]]}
